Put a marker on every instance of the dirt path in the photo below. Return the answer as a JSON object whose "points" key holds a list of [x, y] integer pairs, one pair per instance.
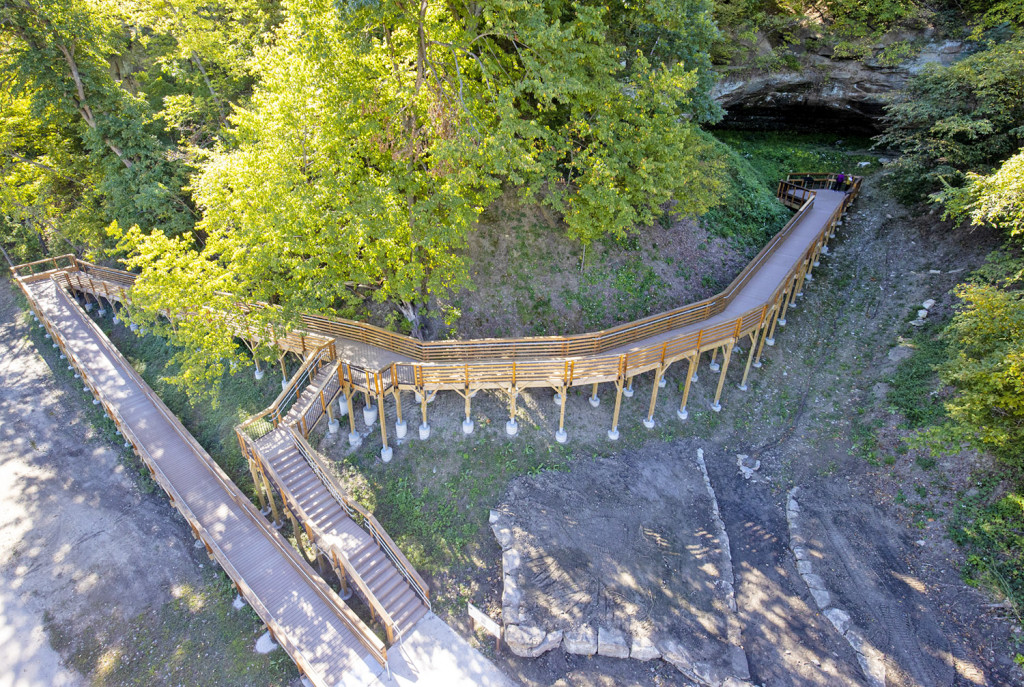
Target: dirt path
{"points": [[80, 546]]}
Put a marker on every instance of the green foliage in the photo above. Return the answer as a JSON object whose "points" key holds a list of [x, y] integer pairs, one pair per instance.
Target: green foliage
{"points": [[990, 528], [996, 199], [987, 369], [950, 121], [914, 387]]}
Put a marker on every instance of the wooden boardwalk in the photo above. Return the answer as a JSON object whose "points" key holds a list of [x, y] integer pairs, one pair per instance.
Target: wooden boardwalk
{"points": [[342, 358], [327, 640]]}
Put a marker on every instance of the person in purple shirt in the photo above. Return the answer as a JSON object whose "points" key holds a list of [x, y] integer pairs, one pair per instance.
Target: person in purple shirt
{"points": [[840, 182]]}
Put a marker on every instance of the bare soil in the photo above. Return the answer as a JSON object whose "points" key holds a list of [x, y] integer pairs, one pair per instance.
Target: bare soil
{"points": [[529, 279], [816, 416], [626, 542]]}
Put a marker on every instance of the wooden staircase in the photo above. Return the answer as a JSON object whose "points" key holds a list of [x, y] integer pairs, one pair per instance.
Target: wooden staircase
{"points": [[345, 534]]}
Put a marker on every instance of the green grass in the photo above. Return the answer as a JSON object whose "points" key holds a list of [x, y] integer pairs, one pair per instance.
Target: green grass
{"points": [[913, 388], [990, 528], [197, 638]]}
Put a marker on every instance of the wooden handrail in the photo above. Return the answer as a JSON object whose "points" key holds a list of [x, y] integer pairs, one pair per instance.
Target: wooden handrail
{"points": [[370, 641]]}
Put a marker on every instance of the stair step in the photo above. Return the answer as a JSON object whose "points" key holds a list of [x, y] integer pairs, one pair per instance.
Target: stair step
{"points": [[378, 573], [411, 615], [397, 603], [385, 590]]}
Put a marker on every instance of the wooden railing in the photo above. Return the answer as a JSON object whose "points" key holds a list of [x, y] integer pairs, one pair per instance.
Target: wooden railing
{"points": [[367, 639], [362, 517], [261, 424]]}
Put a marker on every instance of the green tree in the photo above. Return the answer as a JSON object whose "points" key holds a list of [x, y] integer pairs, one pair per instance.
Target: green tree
{"points": [[953, 120]]}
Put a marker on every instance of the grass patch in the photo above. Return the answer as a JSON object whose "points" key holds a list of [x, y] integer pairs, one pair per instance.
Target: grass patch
{"points": [[197, 638], [914, 387], [756, 161], [989, 524]]}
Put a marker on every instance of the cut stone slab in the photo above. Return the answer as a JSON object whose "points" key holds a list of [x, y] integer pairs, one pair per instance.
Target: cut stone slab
{"points": [[839, 618], [503, 535], [612, 643], [523, 640], [822, 598], [643, 649], [510, 560], [582, 641]]}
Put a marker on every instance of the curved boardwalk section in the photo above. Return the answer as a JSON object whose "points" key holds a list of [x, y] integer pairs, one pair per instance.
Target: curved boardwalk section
{"points": [[327, 641]]}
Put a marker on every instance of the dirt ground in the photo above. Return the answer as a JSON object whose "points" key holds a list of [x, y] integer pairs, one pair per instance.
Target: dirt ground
{"points": [[100, 582], [804, 418], [80, 545]]}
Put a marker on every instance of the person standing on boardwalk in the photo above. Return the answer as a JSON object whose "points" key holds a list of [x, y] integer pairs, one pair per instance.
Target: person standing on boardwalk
{"points": [[840, 182]]}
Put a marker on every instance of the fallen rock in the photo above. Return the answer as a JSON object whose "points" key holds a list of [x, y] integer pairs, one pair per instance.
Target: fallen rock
{"points": [[747, 465], [822, 598], [582, 641], [612, 643], [643, 649], [511, 595], [531, 642], [928, 304], [922, 313]]}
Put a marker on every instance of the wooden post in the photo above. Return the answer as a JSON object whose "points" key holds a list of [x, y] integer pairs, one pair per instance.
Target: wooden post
{"points": [[273, 503], [754, 335], [629, 387], [716, 406], [690, 368], [594, 400], [423, 404], [649, 422], [339, 570], [513, 394], [466, 396], [284, 370], [781, 319], [256, 480], [351, 410], [398, 403], [613, 433], [560, 436], [714, 356], [383, 421]]}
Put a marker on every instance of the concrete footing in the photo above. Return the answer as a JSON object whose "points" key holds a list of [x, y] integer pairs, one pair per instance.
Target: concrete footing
{"points": [[782, 322], [386, 454], [258, 374], [342, 406], [770, 342], [424, 431], [332, 426], [594, 401], [649, 422], [354, 440], [401, 429], [717, 407], [558, 399], [369, 415], [628, 392], [467, 426], [742, 387], [101, 312], [809, 277], [613, 434], [265, 644], [714, 367], [662, 383], [757, 364], [284, 384], [116, 320], [511, 428], [561, 436], [88, 307]]}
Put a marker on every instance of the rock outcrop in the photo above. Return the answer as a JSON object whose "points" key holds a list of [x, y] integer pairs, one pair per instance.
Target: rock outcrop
{"points": [[823, 91]]}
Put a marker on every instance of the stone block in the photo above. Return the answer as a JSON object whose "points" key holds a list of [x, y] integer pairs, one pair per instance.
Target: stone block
{"points": [[531, 642], [582, 640], [822, 598], [511, 595], [839, 618], [643, 649], [511, 560], [804, 567], [612, 643], [503, 535]]}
